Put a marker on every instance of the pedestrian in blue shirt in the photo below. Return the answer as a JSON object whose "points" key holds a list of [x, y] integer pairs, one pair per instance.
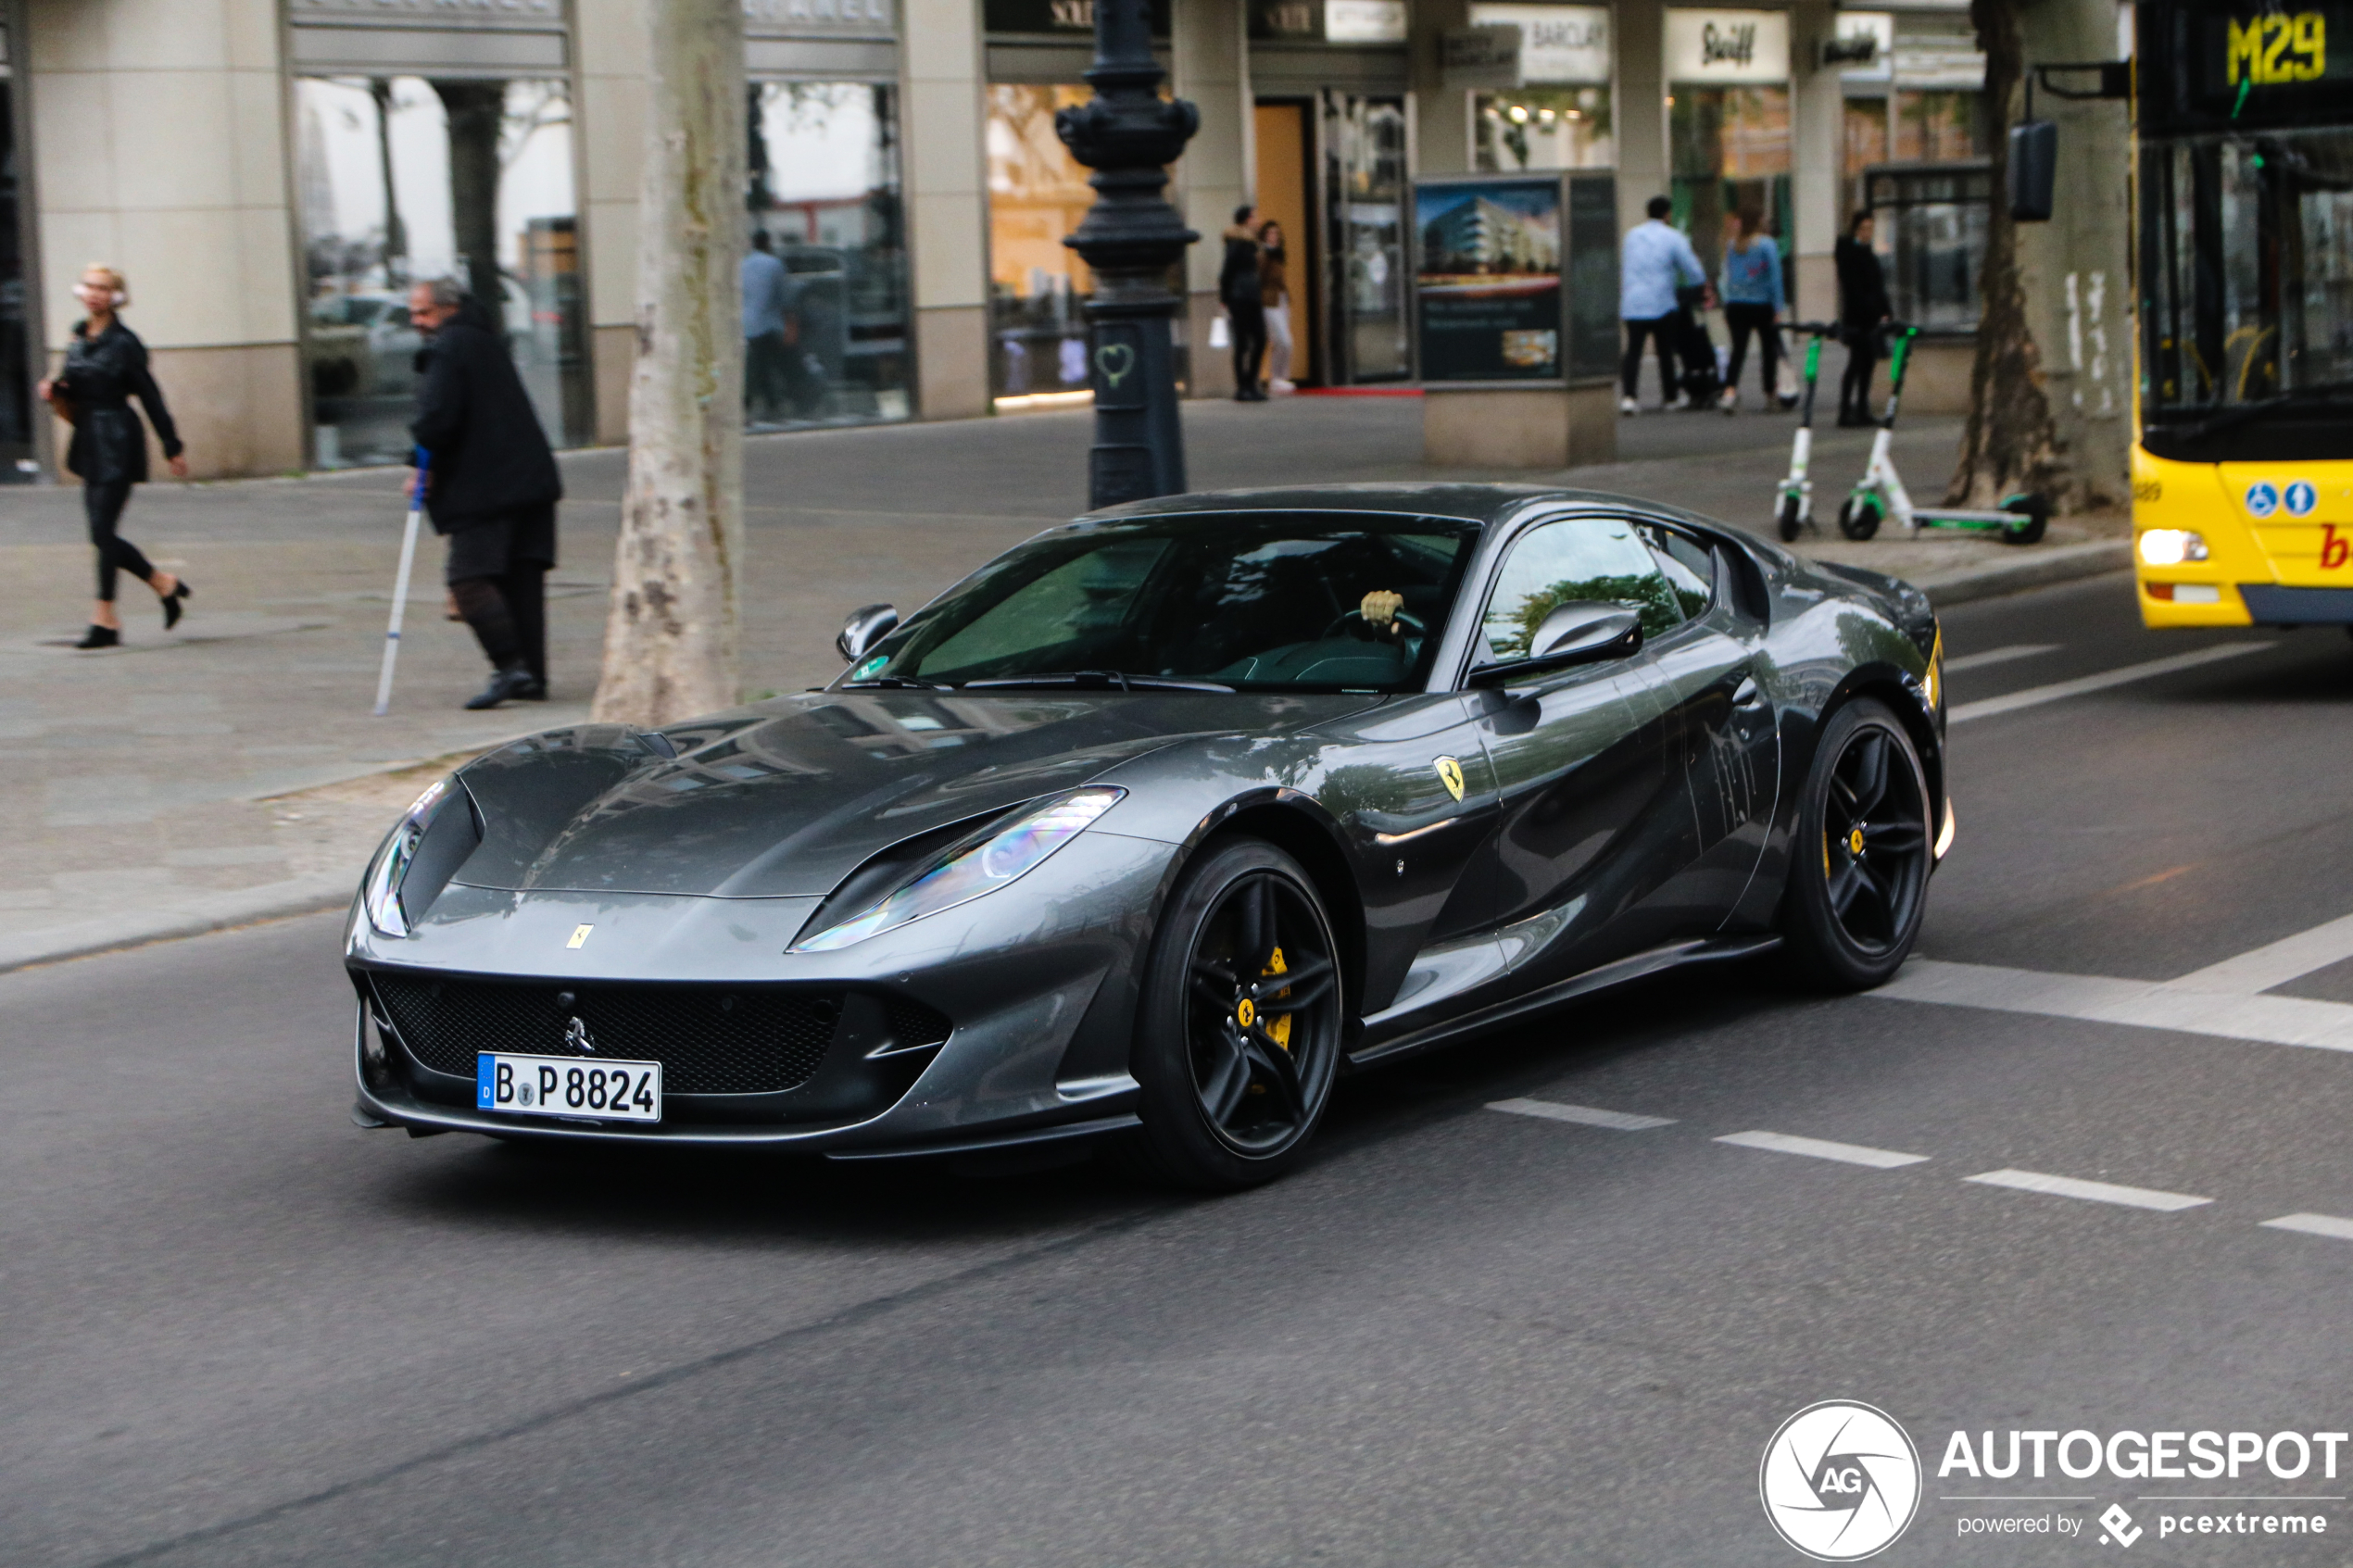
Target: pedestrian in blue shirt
{"points": [[1752, 300], [1654, 262], [767, 330]]}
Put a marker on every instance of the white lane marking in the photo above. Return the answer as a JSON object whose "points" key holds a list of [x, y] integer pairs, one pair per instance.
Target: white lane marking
{"points": [[1998, 656], [2276, 963], [2092, 1192], [1583, 1115], [2314, 1225], [2146, 1004], [2034, 696], [1822, 1149]]}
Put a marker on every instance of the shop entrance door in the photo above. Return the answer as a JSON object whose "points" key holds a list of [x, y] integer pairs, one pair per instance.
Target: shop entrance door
{"points": [[1365, 328], [1286, 187]]}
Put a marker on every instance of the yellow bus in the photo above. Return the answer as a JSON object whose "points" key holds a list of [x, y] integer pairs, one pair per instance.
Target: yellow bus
{"points": [[2243, 472]]}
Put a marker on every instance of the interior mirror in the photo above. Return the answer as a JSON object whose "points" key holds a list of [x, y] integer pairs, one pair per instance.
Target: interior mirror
{"points": [[2033, 175], [864, 629], [1576, 632]]}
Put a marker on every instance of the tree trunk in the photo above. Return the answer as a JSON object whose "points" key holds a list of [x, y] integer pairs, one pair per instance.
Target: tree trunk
{"points": [[2010, 442], [473, 111], [671, 635]]}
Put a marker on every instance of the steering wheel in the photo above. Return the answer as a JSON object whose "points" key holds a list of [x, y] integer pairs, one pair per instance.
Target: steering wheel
{"points": [[1412, 624]]}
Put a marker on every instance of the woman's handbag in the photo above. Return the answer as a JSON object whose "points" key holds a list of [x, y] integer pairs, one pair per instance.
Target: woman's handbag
{"points": [[61, 401], [1221, 332]]}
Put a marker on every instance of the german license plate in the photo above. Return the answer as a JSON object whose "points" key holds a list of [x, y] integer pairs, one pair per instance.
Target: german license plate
{"points": [[565, 1085]]}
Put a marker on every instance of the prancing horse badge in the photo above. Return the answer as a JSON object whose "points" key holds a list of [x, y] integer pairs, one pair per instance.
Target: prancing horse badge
{"points": [[1450, 773]]}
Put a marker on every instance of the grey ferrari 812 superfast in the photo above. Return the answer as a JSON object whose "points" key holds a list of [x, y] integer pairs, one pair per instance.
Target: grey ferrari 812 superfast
{"points": [[1156, 827]]}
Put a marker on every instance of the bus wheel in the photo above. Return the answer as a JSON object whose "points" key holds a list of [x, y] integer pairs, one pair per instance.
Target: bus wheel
{"points": [[2034, 514], [1788, 519], [1859, 518]]}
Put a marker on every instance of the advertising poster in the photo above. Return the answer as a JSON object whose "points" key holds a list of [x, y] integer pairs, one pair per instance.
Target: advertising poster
{"points": [[1488, 278]]}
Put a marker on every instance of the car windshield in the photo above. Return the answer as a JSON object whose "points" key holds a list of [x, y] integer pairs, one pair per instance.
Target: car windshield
{"points": [[1265, 601]]}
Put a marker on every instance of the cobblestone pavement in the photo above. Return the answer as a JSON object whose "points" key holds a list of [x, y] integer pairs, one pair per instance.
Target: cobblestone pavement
{"points": [[231, 770]]}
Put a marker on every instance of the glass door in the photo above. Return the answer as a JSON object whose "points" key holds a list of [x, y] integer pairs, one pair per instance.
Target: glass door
{"points": [[1367, 329]]}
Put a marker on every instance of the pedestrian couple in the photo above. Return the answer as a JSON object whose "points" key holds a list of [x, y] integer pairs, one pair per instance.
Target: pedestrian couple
{"points": [[1254, 286], [1659, 272]]}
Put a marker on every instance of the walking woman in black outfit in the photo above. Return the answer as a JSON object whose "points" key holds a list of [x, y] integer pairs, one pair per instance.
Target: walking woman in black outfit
{"points": [[1862, 309], [107, 367]]}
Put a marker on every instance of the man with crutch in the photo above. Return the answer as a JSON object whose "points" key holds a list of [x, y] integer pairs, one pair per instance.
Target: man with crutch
{"points": [[491, 485]]}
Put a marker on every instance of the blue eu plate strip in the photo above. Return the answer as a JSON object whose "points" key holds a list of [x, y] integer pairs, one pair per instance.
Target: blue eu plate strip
{"points": [[482, 1082]]}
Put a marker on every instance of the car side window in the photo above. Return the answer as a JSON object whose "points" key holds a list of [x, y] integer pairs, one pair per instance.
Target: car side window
{"points": [[1690, 567], [1579, 557]]}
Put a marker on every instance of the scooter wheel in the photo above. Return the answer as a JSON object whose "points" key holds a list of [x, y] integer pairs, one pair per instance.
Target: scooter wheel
{"points": [[2034, 514], [1859, 518], [1789, 519]]}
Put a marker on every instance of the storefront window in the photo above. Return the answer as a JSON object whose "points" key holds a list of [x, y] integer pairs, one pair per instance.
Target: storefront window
{"points": [[1866, 138], [1543, 128], [402, 180], [1731, 153], [1365, 181], [1928, 229], [824, 189], [1038, 193], [1939, 127], [18, 464]]}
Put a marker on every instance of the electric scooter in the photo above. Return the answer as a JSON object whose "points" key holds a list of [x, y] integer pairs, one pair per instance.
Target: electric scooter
{"points": [[1793, 499], [1879, 493]]}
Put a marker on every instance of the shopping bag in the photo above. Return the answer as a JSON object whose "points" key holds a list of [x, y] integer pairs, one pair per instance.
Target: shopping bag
{"points": [[1787, 388], [1220, 332]]}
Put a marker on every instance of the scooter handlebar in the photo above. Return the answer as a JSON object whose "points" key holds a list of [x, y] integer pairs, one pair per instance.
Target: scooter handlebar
{"points": [[1819, 329]]}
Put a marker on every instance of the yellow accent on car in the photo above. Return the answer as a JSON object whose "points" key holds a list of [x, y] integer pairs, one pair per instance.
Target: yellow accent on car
{"points": [[1278, 1027], [1854, 842]]}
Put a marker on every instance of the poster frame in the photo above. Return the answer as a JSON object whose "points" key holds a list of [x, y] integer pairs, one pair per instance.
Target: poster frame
{"points": [[1572, 239]]}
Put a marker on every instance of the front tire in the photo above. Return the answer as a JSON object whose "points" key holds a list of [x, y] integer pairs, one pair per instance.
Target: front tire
{"points": [[1860, 864], [1233, 1088], [1789, 520], [1859, 519], [2034, 514]]}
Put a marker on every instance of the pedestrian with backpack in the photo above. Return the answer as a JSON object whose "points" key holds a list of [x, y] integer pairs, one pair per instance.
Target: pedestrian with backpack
{"points": [[1654, 262]]}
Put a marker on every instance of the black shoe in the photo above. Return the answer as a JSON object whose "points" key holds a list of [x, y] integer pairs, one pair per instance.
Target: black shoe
{"points": [[535, 692], [100, 637], [504, 685], [171, 602]]}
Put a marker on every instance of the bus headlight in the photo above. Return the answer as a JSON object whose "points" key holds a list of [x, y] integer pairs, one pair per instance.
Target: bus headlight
{"points": [[2171, 546]]}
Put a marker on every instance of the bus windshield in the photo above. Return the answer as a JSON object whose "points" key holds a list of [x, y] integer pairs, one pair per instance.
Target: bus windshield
{"points": [[2247, 269]]}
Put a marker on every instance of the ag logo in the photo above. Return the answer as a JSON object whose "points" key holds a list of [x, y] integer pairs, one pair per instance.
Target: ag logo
{"points": [[2262, 499], [1840, 1481], [2300, 497], [1450, 773]]}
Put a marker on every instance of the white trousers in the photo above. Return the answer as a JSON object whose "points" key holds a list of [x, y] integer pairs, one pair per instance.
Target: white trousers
{"points": [[1279, 339]]}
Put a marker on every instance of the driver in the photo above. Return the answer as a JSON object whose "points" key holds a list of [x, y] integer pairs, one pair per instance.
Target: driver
{"points": [[1379, 610]]}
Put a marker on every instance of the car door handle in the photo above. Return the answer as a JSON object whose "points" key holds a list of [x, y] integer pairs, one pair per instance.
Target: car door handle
{"points": [[1749, 695]]}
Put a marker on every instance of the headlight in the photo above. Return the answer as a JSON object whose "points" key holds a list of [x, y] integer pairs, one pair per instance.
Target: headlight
{"points": [[2171, 546], [380, 894], [1008, 853]]}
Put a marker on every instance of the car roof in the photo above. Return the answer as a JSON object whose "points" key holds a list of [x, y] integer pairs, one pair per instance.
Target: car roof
{"points": [[1487, 503]]}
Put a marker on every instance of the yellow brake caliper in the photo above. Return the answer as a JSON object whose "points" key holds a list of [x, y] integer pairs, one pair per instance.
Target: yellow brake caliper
{"points": [[1278, 1027]]}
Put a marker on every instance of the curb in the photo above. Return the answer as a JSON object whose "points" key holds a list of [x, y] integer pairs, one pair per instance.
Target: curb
{"points": [[2040, 570], [194, 917]]}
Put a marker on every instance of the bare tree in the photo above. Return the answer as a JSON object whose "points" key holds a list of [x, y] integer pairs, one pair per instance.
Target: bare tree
{"points": [[671, 633], [2011, 443]]}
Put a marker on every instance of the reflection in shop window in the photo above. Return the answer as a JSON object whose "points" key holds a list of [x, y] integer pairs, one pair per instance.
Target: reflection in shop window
{"points": [[1365, 236], [1037, 286], [1731, 153], [824, 188], [403, 180], [1935, 127], [1544, 128]]}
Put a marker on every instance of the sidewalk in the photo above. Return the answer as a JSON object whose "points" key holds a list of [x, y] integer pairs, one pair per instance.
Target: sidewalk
{"points": [[230, 771]]}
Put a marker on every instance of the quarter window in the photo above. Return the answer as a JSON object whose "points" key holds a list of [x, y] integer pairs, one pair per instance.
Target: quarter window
{"points": [[1584, 557]]}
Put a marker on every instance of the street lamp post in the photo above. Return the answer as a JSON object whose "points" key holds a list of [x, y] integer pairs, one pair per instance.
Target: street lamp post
{"points": [[1129, 135]]}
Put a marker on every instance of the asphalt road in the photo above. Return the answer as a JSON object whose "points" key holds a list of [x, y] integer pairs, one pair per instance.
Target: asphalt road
{"points": [[237, 1330]]}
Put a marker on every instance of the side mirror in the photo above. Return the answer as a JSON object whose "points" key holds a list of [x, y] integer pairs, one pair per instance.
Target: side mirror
{"points": [[2034, 173], [1580, 632], [863, 630]]}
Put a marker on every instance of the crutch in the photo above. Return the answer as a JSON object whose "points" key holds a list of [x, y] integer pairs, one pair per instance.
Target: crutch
{"points": [[400, 585]]}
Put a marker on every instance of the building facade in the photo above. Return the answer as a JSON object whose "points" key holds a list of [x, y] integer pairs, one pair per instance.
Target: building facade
{"points": [[271, 175]]}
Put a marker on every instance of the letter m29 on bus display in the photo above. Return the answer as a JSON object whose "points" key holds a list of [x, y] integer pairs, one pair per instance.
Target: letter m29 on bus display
{"points": [[2275, 49]]}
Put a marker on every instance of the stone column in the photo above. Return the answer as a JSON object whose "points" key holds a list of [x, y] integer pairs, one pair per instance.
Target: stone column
{"points": [[1441, 117], [611, 38], [947, 204], [1211, 53], [1817, 161], [1639, 107]]}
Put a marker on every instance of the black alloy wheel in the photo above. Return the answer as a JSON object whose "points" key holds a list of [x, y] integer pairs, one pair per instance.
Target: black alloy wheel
{"points": [[1239, 1025], [1860, 864]]}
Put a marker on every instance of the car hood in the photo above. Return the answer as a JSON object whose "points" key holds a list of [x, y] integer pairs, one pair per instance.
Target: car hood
{"points": [[789, 798]]}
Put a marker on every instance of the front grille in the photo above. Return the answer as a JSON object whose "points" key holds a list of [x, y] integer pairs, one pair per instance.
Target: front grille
{"points": [[710, 1039], [912, 1025]]}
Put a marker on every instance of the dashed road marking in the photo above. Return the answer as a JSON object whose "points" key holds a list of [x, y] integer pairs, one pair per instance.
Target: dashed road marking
{"points": [[1998, 656], [1583, 1115], [1822, 1149], [2092, 1192], [2314, 1225], [2034, 696]]}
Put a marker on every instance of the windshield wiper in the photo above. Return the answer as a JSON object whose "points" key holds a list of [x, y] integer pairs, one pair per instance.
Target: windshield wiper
{"points": [[1099, 680], [898, 683], [2339, 395]]}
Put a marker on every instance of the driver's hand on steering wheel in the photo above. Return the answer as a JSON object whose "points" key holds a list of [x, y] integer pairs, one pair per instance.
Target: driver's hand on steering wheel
{"points": [[1379, 608]]}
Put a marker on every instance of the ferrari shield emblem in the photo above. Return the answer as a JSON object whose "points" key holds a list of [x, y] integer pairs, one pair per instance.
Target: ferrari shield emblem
{"points": [[1450, 773], [580, 934]]}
